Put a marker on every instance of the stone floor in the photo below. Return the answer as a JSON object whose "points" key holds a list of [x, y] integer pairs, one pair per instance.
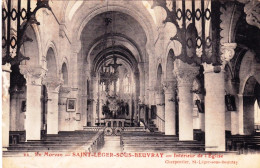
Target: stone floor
{"points": [[112, 144]]}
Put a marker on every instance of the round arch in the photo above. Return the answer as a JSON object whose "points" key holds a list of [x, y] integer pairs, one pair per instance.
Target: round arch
{"points": [[51, 63], [159, 77], [64, 72], [169, 66], [32, 49], [144, 18], [251, 93]]}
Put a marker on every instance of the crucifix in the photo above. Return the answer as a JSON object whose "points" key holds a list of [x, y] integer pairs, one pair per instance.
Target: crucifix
{"points": [[115, 66]]}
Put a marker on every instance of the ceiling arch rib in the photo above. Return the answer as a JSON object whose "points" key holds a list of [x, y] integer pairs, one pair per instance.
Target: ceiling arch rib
{"points": [[119, 39], [123, 29], [120, 60], [118, 51]]}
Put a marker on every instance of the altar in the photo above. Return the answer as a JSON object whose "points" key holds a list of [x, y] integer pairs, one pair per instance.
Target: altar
{"points": [[114, 122]]}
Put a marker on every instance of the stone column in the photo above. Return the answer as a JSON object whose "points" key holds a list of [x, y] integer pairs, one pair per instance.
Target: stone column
{"points": [[237, 124], [6, 70], [53, 86], [214, 110], [64, 94], [215, 102], [235, 114], [240, 114], [234, 120], [160, 118], [185, 78], [33, 76], [170, 113], [94, 93]]}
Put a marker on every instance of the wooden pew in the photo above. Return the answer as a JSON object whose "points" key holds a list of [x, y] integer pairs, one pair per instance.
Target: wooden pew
{"points": [[141, 141], [243, 143], [64, 141]]}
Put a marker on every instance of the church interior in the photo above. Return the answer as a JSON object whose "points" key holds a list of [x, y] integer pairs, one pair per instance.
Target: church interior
{"points": [[159, 75]]}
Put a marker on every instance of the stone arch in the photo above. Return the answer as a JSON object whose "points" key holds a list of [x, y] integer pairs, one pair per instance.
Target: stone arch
{"points": [[251, 93], [175, 46], [64, 71], [246, 69], [169, 66], [230, 18], [120, 40], [159, 77], [98, 9], [51, 63], [33, 49]]}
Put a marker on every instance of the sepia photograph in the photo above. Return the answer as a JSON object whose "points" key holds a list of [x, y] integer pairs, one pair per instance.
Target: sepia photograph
{"points": [[130, 83]]}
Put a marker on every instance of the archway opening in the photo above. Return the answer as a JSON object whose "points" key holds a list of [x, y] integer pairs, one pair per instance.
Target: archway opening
{"points": [[251, 95], [64, 71]]}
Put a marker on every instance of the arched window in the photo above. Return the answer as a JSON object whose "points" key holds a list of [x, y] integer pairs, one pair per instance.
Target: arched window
{"points": [[64, 71], [126, 84], [257, 114]]}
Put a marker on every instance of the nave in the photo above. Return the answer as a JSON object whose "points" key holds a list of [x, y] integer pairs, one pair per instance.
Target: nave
{"points": [[66, 143], [162, 75]]}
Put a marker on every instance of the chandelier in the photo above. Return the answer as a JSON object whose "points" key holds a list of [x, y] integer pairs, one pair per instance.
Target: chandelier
{"points": [[16, 20], [109, 72]]}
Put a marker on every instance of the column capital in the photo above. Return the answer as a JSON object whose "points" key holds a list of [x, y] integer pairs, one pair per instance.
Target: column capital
{"points": [[186, 76], [76, 47], [159, 97], [240, 95], [228, 52], [169, 86], [159, 90], [52, 83], [6, 67], [65, 89], [252, 12], [209, 68], [33, 75]]}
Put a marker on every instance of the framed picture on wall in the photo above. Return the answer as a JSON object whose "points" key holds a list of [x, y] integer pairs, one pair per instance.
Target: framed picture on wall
{"points": [[23, 106], [78, 117], [230, 102], [71, 105]]}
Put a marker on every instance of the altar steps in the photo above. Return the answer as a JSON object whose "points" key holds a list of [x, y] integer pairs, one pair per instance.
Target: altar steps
{"points": [[152, 127]]}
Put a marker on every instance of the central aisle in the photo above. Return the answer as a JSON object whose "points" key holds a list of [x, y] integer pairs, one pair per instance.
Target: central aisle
{"points": [[112, 144]]}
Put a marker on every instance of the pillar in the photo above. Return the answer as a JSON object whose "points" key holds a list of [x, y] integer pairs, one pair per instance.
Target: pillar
{"points": [[33, 76], [64, 94], [170, 113], [6, 70], [235, 120], [53, 86], [237, 125], [160, 118], [95, 103], [13, 111], [240, 114], [215, 101], [214, 110], [185, 78]]}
